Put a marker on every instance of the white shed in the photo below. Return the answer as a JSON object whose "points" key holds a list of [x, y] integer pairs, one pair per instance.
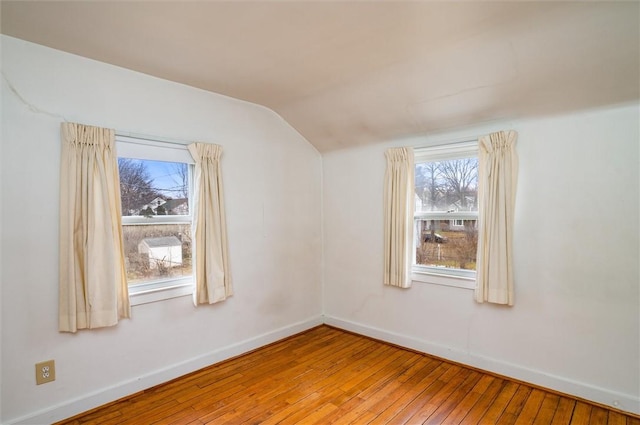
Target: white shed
{"points": [[165, 251]]}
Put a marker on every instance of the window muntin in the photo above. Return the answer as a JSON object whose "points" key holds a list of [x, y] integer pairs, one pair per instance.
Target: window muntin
{"points": [[446, 210], [156, 188]]}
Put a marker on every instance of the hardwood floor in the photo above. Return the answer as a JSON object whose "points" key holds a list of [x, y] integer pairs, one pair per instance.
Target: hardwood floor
{"points": [[327, 376]]}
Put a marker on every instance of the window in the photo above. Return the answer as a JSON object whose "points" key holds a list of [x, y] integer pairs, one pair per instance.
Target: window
{"points": [[446, 214], [155, 189]]}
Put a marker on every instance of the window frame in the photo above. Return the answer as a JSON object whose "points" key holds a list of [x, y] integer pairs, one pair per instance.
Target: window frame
{"points": [[144, 148], [459, 278]]}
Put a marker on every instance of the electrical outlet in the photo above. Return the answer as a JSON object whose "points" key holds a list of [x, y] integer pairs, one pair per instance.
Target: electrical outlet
{"points": [[45, 372]]}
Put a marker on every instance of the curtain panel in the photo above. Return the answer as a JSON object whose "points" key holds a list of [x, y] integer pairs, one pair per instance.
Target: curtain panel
{"points": [[497, 180], [93, 290], [398, 216], [212, 273]]}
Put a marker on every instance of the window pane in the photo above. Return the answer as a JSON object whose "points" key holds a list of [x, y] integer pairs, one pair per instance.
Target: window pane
{"points": [[447, 186], [439, 243], [150, 188], [157, 252]]}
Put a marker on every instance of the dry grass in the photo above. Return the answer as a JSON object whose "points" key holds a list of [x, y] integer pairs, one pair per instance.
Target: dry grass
{"points": [[457, 251]]}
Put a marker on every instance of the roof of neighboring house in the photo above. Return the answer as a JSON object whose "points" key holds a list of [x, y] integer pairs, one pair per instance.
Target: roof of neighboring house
{"points": [[153, 198], [163, 241], [173, 203]]}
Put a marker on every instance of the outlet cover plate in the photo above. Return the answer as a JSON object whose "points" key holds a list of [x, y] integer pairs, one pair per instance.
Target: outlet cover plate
{"points": [[45, 372]]}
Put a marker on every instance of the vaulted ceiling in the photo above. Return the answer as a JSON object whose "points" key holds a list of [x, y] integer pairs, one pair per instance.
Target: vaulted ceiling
{"points": [[357, 72]]}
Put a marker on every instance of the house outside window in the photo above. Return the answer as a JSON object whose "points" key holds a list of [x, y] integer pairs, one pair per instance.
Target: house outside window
{"points": [[155, 189], [446, 214]]}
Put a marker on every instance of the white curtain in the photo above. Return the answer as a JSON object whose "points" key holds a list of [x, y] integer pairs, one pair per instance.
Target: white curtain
{"points": [[398, 217], [497, 180], [213, 278], [93, 290]]}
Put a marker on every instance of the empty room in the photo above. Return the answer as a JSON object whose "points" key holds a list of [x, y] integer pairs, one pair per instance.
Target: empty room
{"points": [[314, 212]]}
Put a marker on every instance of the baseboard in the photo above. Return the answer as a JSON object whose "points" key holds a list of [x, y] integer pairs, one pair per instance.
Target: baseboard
{"points": [[615, 400], [124, 389]]}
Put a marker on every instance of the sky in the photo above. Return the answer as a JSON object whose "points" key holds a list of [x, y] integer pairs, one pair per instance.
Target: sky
{"points": [[165, 176]]}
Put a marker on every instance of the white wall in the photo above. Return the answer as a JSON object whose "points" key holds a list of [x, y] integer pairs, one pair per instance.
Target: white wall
{"points": [[272, 180], [575, 325]]}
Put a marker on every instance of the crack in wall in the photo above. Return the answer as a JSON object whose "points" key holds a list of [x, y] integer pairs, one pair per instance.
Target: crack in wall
{"points": [[30, 106]]}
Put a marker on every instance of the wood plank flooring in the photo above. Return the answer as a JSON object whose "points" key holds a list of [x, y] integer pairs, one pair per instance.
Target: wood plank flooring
{"points": [[328, 376]]}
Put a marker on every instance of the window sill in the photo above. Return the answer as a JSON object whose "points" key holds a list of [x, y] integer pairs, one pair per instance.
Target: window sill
{"points": [[443, 279], [145, 294]]}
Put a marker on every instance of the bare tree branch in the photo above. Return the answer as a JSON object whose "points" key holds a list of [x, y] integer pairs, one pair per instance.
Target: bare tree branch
{"points": [[135, 185]]}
